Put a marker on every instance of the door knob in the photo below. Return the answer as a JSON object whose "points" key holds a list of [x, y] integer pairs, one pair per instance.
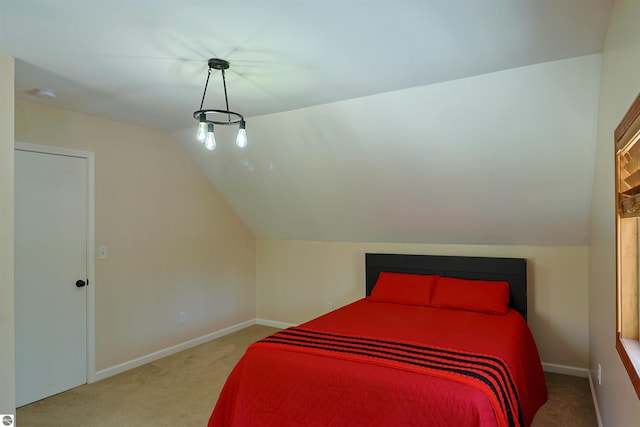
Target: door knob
{"points": [[80, 283]]}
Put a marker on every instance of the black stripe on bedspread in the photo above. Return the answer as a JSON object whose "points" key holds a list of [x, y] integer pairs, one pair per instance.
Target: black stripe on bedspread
{"points": [[461, 366]]}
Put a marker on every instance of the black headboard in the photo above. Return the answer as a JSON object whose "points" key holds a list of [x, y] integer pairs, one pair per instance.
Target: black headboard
{"points": [[511, 270]]}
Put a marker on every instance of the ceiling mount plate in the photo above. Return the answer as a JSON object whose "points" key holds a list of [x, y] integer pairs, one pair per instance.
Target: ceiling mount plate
{"points": [[218, 64]]}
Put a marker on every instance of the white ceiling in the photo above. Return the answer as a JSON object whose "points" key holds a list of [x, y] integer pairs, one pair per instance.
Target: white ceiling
{"points": [[144, 62]]}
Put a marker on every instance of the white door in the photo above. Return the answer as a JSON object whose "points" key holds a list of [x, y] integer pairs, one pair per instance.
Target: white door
{"points": [[50, 257]]}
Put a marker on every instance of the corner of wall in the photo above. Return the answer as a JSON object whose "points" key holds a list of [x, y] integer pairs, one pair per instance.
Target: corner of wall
{"points": [[7, 335]]}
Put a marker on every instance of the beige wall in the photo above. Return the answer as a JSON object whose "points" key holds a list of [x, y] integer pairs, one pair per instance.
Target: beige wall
{"points": [[173, 243], [7, 358], [296, 279], [618, 403]]}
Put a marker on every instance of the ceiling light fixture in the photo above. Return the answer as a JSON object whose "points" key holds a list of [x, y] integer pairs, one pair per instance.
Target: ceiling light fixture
{"points": [[207, 118]]}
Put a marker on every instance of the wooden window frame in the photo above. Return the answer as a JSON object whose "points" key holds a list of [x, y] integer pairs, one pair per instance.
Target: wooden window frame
{"points": [[627, 136]]}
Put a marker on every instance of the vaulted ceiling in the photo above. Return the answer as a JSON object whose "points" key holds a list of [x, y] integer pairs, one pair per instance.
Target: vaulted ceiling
{"points": [[437, 121]]}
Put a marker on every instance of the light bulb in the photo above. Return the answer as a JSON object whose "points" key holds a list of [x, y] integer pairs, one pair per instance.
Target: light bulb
{"points": [[202, 128], [210, 140], [201, 135], [241, 139]]}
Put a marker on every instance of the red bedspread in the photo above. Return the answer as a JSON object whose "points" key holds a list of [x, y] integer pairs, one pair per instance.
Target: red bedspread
{"points": [[280, 383]]}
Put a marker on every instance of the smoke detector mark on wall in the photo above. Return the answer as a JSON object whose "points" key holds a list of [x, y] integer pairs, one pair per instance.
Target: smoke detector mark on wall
{"points": [[42, 93]]}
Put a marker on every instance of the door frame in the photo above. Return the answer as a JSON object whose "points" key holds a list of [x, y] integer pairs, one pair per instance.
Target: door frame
{"points": [[91, 299]]}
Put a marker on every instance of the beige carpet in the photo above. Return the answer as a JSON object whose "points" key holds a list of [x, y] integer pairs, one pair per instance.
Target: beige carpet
{"points": [[181, 390]]}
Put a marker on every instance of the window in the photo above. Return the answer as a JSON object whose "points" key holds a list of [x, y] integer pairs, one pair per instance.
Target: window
{"points": [[627, 180]]}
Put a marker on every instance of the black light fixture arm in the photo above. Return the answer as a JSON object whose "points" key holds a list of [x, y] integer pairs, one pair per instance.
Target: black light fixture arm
{"points": [[205, 89], [232, 117], [224, 85]]}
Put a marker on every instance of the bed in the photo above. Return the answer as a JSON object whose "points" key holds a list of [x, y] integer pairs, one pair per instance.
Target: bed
{"points": [[437, 341]]}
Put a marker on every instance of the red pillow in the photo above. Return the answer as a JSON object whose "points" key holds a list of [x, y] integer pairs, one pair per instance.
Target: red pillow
{"points": [[403, 288], [484, 296]]}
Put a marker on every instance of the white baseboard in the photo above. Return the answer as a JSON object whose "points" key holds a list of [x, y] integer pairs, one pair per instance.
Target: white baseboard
{"points": [[565, 370], [274, 324], [595, 400], [122, 367]]}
